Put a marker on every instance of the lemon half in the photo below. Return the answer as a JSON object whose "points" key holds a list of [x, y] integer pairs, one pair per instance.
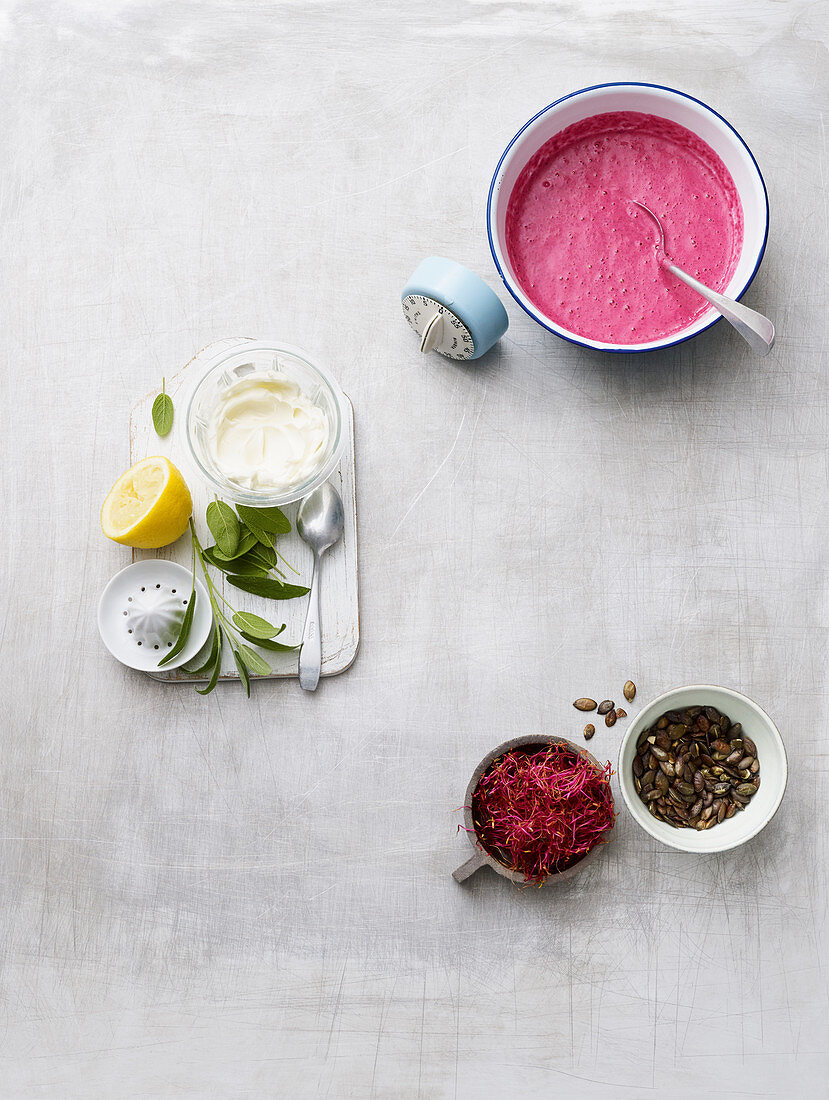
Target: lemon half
{"points": [[148, 506]]}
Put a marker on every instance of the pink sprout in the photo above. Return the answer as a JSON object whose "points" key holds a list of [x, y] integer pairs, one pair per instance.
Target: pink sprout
{"points": [[539, 812]]}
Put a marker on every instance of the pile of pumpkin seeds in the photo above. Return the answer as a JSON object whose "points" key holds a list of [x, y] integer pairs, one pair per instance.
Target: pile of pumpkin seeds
{"points": [[607, 708], [694, 769]]}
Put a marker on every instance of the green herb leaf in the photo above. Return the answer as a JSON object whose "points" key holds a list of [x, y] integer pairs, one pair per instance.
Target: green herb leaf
{"points": [[247, 540], [163, 411], [268, 643], [224, 526], [262, 537], [254, 661], [255, 625], [244, 675], [243, 566], [272, 520], [268, 587], [210, 660], [265, 554], [214, 676], [184, 630]]}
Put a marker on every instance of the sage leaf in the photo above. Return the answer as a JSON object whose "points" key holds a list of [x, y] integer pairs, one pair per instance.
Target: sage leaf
{"points": [[163, 411], [217, 667], [184, 630], [210, 660], [265, 554], [224, 526], [268, 587], [247, 540], [242, 668], [255, 625], [254, 661], [261, 536], [269, 643], [241, 566], [272, 520]]}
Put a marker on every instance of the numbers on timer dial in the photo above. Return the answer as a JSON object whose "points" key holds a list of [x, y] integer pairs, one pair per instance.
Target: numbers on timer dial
{"points": [[457, 342]]}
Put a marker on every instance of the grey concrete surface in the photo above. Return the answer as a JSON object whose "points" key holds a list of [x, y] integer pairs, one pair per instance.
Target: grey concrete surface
{"points": [[222, 898]]}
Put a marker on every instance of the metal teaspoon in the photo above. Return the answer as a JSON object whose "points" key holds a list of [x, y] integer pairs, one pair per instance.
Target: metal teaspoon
{"points": [[319, 522], [755, 329]]}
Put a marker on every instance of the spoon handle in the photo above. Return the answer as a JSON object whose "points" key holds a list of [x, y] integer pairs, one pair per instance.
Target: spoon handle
{"points": [[755, 329], [310, 656]]}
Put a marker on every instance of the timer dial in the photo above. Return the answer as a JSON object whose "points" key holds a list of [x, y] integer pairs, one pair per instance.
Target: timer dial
{"points": [[438, 327]]}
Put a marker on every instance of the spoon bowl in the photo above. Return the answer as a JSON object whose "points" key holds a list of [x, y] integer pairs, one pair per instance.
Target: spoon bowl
{"points": [[320, 519]]}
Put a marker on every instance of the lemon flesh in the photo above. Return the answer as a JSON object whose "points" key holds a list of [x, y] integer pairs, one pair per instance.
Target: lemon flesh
{"points": [[148, 506]]}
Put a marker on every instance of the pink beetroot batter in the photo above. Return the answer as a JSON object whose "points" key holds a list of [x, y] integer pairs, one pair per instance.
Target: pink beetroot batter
{"points": [[587, 259]]}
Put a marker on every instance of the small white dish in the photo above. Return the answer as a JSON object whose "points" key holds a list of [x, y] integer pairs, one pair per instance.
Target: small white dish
{"points": [[141, 608], [770, 752]]}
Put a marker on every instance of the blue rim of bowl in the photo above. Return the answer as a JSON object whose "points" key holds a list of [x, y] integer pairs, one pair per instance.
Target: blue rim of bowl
{"points": [[592, 88]]}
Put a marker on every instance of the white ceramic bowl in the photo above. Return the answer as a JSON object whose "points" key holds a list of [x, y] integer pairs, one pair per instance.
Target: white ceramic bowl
{"points": [[234, 361], [649, 99], [770, 752]]}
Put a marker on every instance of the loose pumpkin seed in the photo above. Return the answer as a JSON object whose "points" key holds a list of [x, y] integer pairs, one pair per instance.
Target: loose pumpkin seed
{"points": [[585, 704]]}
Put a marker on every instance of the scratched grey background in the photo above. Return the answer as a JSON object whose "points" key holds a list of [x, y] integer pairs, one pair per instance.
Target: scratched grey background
{"points": [[222, 898]]}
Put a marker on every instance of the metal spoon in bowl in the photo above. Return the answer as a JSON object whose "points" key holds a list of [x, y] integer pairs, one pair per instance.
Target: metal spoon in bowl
{"points": [[755, 329], [319, 522]]}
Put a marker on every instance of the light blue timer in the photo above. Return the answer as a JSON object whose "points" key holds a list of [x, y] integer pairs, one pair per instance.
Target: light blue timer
{"points": [[452, 310]]}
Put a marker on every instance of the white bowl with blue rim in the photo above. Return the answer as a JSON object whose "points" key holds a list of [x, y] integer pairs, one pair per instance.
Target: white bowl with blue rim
{"points": [[651, 99]]}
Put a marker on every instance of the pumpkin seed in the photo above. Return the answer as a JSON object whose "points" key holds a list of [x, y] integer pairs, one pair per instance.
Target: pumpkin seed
{"points": [[585, 704], [629, 690]]}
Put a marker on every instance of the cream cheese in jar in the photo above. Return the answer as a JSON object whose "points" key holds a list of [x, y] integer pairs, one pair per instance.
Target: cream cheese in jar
{"points": [[265, 433]]}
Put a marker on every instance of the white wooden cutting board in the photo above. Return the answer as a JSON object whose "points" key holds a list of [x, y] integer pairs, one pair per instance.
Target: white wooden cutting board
{"points": [[338, 589]]}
